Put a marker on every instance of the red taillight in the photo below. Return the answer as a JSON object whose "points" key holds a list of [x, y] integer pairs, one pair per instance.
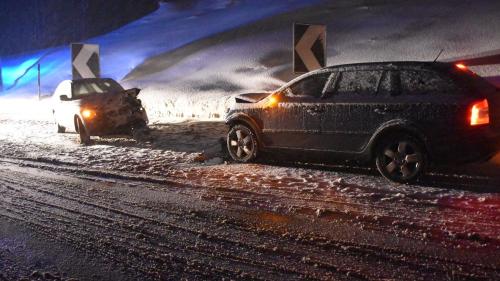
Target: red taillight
{"points": [[479, 113]]}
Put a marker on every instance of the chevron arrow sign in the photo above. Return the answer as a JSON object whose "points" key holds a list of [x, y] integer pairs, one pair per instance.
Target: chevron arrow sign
{"points": [[85, 61], [1, 81], [309, 47]]}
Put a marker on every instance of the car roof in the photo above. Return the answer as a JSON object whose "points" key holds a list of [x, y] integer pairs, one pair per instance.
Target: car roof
{"points": [[90, 80], [84, 80], [387, 65], [417, 65]]}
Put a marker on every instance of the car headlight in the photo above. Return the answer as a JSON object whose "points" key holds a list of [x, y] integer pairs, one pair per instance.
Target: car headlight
{"points": [[271, 101], [88, 113]]}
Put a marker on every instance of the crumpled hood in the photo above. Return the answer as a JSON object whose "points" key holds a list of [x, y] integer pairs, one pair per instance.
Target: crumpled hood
{"points": [[111, 101]]}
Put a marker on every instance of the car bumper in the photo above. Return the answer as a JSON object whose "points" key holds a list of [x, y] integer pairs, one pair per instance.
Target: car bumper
{"points": [[115, 124], [472, 146]]}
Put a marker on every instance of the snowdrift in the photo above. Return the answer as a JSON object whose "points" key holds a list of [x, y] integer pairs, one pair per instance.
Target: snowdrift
{"points": [[191, 61]]}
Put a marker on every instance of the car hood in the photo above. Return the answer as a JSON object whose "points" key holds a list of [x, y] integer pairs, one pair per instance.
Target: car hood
{"points": [[251, 97], [110, 100]]}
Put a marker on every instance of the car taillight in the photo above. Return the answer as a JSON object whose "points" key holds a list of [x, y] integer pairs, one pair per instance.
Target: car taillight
{"points": [[479, 113]]}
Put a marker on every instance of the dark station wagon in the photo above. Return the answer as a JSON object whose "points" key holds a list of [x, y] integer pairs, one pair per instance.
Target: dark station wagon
{"points": [[400, 115]]}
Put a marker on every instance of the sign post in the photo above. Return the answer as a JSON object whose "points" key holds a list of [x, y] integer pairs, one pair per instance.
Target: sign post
{"points": [[1, 80], [309, 44], [85, 61], [39, 85]]}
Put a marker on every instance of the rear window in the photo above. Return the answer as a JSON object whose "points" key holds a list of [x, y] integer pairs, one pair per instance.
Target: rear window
{"points": [[358, 83], [86, 87], [472, 81], [424, 82]]}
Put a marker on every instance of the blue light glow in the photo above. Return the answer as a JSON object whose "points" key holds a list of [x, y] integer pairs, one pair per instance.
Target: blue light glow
{"points": [[11, 73], [125, 48]]}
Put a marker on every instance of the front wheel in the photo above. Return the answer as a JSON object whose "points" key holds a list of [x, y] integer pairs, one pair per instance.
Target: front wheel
{"points": [[84, 134], [140, 131], [60, 129], [401, 158], [242, 143]]}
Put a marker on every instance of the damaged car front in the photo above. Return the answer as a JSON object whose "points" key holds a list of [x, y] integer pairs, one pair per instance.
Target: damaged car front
{"points": [[98, 107]]}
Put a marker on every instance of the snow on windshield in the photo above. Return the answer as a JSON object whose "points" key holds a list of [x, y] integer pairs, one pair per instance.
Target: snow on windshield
{"points": [[86, 87]]}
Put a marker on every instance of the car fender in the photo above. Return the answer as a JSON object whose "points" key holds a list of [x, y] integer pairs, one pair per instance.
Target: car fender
{"points": [[240, 117], [393, 126], [75, 118], [64, 113]]}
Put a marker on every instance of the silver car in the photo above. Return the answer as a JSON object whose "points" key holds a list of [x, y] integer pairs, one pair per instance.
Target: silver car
{"points": [[97, 107]]}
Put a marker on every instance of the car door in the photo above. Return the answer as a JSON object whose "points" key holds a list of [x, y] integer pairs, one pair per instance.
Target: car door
{"points": [[63, 108], [350, 103], [295, 121], [427, 96]]}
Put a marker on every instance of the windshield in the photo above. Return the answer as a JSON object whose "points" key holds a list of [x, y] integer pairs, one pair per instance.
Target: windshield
{"points": [[86, 87]]}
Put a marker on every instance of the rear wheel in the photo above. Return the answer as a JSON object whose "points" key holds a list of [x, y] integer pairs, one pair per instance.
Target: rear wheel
{"points": [[242, 143], [84, 134], [401, 158], [140, 131], [60, 129]]}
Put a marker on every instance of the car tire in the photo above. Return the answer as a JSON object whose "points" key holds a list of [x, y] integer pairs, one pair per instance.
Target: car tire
{"points": [[60, 129], [84, 134], [242, 143], [140, 131], [401, 158]]}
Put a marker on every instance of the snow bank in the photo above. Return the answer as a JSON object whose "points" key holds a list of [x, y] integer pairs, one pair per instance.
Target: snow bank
{"points": [[190, 62]]}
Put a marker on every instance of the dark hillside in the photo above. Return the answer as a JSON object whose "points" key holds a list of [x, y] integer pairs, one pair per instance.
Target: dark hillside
{"points": [[34, 24]]}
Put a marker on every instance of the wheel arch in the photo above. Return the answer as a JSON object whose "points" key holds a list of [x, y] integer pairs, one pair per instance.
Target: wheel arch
{"points": [[241, 118], [75, 122], [397, 127]]}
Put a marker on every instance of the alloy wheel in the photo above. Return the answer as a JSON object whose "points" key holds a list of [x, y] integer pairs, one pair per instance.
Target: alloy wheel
{"points": [[241, 143], [401, 160]]}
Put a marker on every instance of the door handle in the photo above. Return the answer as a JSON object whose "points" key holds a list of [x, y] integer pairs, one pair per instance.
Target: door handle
{"points": [[381, 111], [386, 110]]}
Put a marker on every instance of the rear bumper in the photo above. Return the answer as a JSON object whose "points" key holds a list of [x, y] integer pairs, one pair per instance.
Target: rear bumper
{"points": [[473, 146]]}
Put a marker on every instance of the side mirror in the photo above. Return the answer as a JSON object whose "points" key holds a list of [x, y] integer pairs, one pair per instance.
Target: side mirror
{"points": [[134, 91], [64, 98]]}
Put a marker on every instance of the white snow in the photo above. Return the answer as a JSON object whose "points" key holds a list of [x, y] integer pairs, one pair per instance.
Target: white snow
{"points": [[198, 82], [200, 67]]}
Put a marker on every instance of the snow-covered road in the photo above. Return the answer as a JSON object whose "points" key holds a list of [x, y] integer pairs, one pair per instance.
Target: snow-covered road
{"points": [[173, 205], [165, 230]]}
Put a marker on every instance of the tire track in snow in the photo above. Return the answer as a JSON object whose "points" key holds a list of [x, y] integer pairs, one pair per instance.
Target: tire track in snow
{"points": [[84, 201], [136, 217], [371, 215], [373, 212]]}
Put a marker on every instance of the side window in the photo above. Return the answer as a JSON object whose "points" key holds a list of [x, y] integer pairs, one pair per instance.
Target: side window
{"points": [[390, 84], [358, 83], [424, 82], [311, 86]]}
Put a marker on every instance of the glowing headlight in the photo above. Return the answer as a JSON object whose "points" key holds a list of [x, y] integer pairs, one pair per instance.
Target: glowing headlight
{"points": [[88, 114], [272, 101]]}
